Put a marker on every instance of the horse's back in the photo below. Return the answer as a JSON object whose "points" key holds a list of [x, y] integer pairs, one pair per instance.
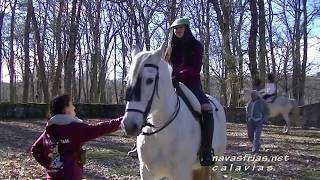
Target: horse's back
{"points": [[282, 101], [281, 105]]}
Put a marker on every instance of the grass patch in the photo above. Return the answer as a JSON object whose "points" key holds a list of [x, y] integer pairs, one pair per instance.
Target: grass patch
{"points": [[314, 150], [311, 173], [233, 174], [110, 154], [116, 160], [124, 171]]}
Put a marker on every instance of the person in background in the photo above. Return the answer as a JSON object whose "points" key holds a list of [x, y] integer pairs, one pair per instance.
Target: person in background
{"points": [[257, 113], [184, 53], [59, 148], [270, 87]]}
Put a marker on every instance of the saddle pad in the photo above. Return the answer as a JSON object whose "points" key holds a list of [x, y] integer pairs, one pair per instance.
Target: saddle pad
{"points": [[191, 98]]}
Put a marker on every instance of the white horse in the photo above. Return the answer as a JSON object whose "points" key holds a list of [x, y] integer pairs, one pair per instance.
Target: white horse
{"points": [[282, 105], [168, 134]]}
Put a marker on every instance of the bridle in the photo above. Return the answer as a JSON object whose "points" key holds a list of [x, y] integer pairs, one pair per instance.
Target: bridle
{"points": [[145, 113]]}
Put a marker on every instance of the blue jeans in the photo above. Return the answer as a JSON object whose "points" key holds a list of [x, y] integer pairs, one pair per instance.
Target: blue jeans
{"points": [[254, 133], [201, 96]]}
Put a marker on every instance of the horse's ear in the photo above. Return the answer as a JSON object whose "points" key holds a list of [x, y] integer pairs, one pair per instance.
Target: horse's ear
{"points": [[161, 50], [135, 50]]}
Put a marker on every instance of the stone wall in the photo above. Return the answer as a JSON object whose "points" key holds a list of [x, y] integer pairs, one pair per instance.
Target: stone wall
{"points": [[34, 111], [309, 114]]}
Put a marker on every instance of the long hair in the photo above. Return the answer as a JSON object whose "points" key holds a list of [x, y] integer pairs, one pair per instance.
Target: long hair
{"points": [[58, 104], [184, 46]]}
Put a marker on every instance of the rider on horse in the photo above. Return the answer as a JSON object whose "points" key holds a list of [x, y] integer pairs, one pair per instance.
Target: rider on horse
{"points": [[184, 53], [270, 88]]}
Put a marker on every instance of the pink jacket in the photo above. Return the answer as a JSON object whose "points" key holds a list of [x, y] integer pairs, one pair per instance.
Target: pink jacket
{"points": [[72, 133], [189, 73]]}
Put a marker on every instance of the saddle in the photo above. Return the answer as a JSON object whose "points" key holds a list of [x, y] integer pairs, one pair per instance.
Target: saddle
{"points": [[271, 99]]}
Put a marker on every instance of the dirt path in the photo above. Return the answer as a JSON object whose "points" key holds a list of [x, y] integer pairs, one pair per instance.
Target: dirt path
{"points": [[295, 156]]}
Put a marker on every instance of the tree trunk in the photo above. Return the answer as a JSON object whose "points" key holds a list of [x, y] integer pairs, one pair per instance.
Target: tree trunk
{"points": [[305, 53], [172, 11], [296, 74], [70, 58], [80, 78], [40, 53], [285, 70], [253, 45], [56, 87], [206, 34], [115, 72], [262, 43], [1, 24], [271, 44], [237, 43], [26, 77], [12, 61], [224, 24], [96, 56]]}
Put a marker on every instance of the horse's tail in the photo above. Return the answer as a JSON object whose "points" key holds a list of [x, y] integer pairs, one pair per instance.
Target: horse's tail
{"points": [[294, 113]]}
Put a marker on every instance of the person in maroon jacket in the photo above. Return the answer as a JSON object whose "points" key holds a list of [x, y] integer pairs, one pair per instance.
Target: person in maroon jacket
{"points": [[59, 148], [184, 53]]}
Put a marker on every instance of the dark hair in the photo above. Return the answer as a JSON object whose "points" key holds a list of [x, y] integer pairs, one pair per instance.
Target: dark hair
{"points": [[270, 77], [184, 46], [58, 104]]}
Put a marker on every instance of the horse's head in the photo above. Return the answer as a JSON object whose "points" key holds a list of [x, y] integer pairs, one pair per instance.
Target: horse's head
{"points": [[142, 88], [246, 94]]}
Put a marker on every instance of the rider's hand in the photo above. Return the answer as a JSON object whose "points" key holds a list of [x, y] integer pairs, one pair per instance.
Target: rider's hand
{"points": [[175, 80]]}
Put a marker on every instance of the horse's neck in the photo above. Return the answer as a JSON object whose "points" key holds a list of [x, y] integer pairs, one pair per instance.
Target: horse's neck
{"points": [[166, 107]]}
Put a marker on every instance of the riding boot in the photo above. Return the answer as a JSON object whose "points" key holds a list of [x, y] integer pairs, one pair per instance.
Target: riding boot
{"points": [[206, 151]]}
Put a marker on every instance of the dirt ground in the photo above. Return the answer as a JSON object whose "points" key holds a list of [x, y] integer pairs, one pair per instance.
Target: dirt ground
{"points": [[294, 156]]}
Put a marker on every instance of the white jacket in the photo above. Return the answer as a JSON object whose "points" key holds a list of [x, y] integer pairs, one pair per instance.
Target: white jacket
{"points": [[269, 89]]}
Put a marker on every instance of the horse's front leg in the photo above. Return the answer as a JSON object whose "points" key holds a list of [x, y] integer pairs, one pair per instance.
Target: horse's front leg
{"points": [[145, 173], [287, 127]]}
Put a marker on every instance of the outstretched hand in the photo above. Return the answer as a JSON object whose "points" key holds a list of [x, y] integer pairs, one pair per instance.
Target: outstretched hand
{"points": [[175, 81]]}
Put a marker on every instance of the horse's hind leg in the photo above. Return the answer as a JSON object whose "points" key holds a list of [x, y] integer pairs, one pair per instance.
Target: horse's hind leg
{"points": [[202, 173], [287, 126]]}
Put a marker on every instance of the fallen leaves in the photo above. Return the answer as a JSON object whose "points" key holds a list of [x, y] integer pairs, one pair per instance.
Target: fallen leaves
{"points": [[108, 160]]}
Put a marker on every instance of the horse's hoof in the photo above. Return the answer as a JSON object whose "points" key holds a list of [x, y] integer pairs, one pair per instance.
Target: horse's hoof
{"points": [[286, 131]]}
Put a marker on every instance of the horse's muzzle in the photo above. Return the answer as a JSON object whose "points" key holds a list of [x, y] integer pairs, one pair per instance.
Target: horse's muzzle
{"points": [[131, 129]]}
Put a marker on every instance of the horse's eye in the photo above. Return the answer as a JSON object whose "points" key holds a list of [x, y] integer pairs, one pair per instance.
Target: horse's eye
{"points": [[149, 81]]}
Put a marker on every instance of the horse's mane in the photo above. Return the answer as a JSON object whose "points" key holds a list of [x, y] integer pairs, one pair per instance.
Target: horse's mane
{"points": [[139, 60]]}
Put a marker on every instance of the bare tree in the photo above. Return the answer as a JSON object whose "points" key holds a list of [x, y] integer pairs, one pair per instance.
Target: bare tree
{"points": [[253, 44], [40, 52], [56, 86], [4, 5], [94, 14], [172, 11], [11, 61], [223, 11], [27, 72], [296, 74], [262, 42], [270, 33], [70, 58]]}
